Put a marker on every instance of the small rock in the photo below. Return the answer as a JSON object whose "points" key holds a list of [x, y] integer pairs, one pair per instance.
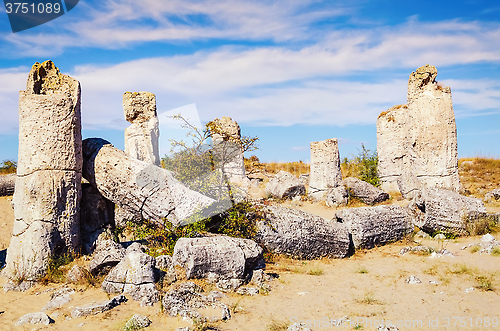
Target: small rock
{"points": [[470, 289], [248, 291], [299, 326], [35, 318], [137, 322], [487, 238], [96, 308], [413, 280], [229, 285], [59, 298], [75, 274], [387, 328], [433, 282]]}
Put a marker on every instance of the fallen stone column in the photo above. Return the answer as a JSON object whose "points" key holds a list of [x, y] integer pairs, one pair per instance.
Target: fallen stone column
{"points": [[7, 184], [141, 138], [325, 168], [368, 193], [48, 188], [138, 186]]}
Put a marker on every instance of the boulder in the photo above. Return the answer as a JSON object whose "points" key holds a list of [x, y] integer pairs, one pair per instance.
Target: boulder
{"points": [[300, 234], [97, 216], [134, 275], [48, 188], [337, 196], [96, 308], [184, 300], [446, 211], [35, 318], [76, 274], [325, 168], [141, 138], [284, 185], [139, 187], [58, 298], [107, 254], [420, 137], [368, 193], [220, 256], [7, 184], [375, 226]]}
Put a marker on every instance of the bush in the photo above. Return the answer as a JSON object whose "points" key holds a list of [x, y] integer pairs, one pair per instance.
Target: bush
{"points": [[363, 166], [8, 167]]}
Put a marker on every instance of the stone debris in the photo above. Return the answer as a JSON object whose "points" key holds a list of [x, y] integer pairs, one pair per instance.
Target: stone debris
{"points": [[375, 226], [7, 184], [409, 185], [495, 194], [325, 168], [141, 137], [337, 196], [35, 318], [134, 275], [137, 322], [412, 280], [468, 290], [284, 185], [300, 234], [138, 187], [487, 244], [245, 290], [48, 185], [59, 298], [229, 285], [420, 137], [416, 249], [96, 308], [221, 256], [76, 274], [433, 282], [368, 193], [441, 253], [184, 300], [107, 254], [446, 211], [487, 238], [298, 326], [387, 328], [97, 216], [163, 262]]}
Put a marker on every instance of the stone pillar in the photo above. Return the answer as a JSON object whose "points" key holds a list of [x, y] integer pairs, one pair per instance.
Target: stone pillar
{"points": [[48, 186], [141, 138], [325, 168], [228, 153], [419, 138]]}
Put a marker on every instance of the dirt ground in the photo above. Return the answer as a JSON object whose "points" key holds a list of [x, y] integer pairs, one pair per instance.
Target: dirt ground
{"points": [[369, 288]]}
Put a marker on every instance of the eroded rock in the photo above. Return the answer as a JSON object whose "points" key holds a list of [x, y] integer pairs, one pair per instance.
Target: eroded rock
{"points": [[97, 308], [368, 193], [325, 168], [284, 185]]}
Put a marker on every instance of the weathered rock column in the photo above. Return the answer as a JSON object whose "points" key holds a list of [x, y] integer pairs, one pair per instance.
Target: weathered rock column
{"points": [[48, 186], [141, 138], [325, 168], [420, 138], [226, 139]]}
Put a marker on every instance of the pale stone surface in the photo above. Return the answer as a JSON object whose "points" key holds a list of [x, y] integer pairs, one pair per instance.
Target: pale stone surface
{"points": [[220, 256], [495, 194], [48, 188], [134, 275], [75, 274], [325, 168], [302, 235], [97, 216], [446, 211], [409, 185], [59, 298], [7, 184], [375, 226], [337, 196], [35, 318], [107, 254], [228, 153], [96, 308], [139, 107], [284, 185], [421, 136], [368, 193], [139, 187]]}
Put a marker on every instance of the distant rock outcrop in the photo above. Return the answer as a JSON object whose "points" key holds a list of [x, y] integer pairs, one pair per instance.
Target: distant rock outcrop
{"points": [[420, 137]]}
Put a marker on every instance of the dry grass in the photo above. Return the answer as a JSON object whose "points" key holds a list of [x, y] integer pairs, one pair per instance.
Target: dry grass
{"points": [[479, 175], [295, 168]]}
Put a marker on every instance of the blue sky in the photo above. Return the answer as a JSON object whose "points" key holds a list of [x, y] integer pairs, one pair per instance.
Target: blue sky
{"points": [[290, 72]]}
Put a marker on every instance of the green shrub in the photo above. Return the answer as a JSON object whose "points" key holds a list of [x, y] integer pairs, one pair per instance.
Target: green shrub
{"points": [[363, 166]]}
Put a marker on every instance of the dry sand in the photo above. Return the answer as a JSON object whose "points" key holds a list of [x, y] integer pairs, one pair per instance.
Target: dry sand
{"points": [[369, 286]]}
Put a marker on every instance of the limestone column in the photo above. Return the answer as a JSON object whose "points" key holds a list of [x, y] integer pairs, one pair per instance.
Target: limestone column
{"points": [[141, 138], [325, 167], [48, 185]]}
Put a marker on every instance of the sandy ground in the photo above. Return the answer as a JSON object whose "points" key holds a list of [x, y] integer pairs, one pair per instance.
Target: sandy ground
{"points": [[368, 287]]}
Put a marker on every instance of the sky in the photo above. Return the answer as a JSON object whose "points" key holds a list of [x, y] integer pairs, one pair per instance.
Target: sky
{"points": [[289, 72]]}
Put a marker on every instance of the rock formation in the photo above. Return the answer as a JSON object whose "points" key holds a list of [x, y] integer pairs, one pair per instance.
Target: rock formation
{"points": [[228, 153], [285, 185], [419, 137], [141, 138], [368, 193], [325, 168], [48, 186], [135, 185]]}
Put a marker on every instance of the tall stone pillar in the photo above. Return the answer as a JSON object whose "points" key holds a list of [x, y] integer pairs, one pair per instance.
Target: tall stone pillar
{"points": [[141, 138], [48, 185], [325, 167], [419, 139]]}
